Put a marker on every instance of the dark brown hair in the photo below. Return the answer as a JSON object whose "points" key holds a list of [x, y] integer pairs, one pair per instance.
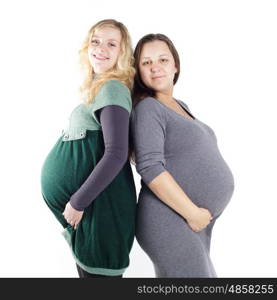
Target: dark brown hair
{"points": [[140, 90]]}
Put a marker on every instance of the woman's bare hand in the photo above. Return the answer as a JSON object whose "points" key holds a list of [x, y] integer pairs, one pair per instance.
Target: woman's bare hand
{"points": [[199, 219], [72, 216]]}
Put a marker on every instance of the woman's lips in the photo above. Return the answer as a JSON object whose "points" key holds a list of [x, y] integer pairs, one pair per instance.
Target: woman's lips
{"points": [[100, 58], [157, 77]]}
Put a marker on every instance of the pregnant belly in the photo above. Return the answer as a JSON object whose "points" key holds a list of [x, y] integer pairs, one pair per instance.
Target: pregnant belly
{"points": [[64, 170], [208, 182]]}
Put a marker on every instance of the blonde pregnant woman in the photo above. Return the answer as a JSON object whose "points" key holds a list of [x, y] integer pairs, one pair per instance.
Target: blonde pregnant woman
{"points": [[86, 179]]}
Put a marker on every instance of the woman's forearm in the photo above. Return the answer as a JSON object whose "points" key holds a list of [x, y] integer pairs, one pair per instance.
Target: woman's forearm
{"points": [[167, 189]]}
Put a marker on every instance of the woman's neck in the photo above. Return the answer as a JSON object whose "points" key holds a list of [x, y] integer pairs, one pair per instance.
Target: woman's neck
{"points": [[165, 96]]}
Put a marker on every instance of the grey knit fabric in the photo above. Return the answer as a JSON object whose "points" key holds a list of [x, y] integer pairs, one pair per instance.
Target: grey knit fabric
{"points": [[188, 150]]}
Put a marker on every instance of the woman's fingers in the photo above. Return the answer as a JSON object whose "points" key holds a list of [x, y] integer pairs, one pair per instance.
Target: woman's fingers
{"points": [[74, 223], [71, 222]]}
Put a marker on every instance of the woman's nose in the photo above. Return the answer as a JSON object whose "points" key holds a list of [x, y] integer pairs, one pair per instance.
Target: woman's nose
{"points": [[155, 67], [101, 49]]}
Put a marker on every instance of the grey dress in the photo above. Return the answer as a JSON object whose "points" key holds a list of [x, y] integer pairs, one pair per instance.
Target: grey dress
{"points": [[187, 148]]}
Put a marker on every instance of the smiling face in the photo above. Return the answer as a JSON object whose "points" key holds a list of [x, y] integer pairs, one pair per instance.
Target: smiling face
{"points": [[157, 67], [104, 49]]}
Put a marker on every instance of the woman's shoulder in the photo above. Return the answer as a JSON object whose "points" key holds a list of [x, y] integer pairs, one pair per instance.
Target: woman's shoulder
{"points": [[147, 103], [149, 107], [113, 86], [113, 92]]}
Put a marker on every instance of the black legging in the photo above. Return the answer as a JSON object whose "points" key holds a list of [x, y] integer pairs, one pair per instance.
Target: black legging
{"points": [[84, 274]]}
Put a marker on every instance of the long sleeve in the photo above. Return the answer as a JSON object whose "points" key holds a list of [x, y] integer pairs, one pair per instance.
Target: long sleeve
{"points": [[115, 126], [148, 123]]}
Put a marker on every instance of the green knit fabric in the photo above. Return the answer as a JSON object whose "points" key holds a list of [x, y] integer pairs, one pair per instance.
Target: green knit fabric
{"points": [[112, 93], [84, 116]]}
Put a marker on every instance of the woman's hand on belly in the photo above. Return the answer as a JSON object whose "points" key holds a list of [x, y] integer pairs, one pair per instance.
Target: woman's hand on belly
{"points": [[72, 216], [199, 219]]}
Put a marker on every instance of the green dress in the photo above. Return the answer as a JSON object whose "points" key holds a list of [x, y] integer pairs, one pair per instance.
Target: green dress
{"points": [[103, 239]]}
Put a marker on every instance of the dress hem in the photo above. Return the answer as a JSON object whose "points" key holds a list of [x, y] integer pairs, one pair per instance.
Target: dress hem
{"points": [[93, 270]]}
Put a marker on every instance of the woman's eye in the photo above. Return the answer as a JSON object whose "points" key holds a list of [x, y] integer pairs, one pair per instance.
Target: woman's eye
{"points": [[163, 60], [145, 63], [112, 45], [94, 42]]}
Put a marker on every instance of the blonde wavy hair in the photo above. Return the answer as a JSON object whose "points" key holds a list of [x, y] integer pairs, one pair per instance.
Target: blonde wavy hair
{"points": [[122, 71]]}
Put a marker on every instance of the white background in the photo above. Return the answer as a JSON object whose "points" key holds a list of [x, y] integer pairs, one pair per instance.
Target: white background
{"points": [[228, 79]]}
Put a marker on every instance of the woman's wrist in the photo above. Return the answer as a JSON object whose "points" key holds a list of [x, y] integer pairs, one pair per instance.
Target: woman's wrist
{"points": [[191, 212]]}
